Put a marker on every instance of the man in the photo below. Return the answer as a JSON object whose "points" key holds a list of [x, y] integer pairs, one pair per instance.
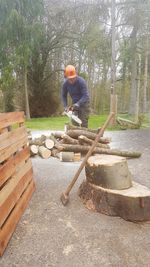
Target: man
{"points": [[77, 89]]}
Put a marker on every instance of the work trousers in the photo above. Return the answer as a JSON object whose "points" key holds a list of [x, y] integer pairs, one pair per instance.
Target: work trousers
{"points": [[83, 114]]}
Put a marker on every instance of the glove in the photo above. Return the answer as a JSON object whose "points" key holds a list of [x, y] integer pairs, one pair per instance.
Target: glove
{"points": [[75, 107]]}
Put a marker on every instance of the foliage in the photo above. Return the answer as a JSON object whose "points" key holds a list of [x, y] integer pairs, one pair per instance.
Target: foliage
{"points": [[38, 38]]}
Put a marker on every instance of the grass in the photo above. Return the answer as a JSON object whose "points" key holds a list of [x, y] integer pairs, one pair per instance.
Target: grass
{"points": [[95, 121], [57, 123]]}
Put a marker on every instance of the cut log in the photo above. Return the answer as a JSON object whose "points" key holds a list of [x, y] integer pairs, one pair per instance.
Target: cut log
{"points": [[77, 156], [127, 123], [52, 137], [132, 204], [73, 127], [97, 150], [38, 141], [44, 152], [66, 156], [48, 143], [55, 152], [58, 134], [69, 156], [83, 139], [108, 171], [69, 140], [77, 133], [33, 150]]}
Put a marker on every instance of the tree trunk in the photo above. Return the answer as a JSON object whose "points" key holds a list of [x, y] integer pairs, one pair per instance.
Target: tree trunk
{"points": [[27, 108], [138, 92], [113, 98], [145, 78], [133, 71]]}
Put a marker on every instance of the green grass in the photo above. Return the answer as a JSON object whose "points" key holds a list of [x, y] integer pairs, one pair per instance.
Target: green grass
{"points": [[57, 123]]}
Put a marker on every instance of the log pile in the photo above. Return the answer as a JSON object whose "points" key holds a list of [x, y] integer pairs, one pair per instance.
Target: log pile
{"points": [[71, 144]]}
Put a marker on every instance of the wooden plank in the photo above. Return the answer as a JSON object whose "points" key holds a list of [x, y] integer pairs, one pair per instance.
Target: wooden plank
{"points": [[11, 184], [9, 138], [8, 151], [11, 223], [11, 200], [9, 168], [10, 118]]}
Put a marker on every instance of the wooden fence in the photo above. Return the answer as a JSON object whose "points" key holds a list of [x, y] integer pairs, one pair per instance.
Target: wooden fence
{"points": [[16, 174]]}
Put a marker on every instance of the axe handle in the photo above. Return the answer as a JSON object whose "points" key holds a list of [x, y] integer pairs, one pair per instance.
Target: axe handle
{"points": [[88, 154]]}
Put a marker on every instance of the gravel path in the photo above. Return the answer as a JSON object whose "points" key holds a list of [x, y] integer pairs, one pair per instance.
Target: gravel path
{"points": [[50, 234]]}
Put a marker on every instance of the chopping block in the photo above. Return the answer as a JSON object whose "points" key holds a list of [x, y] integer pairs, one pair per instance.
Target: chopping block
{"points": [[110, 189]]}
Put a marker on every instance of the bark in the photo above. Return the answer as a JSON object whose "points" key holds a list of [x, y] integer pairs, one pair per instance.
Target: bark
{"points": [[84, 149], [130, 204], [44, 152], [73, 127], [108, 171], [84, 140], [127, 123], [27, 107], [77, 133], [68, 140], [113, 99], [145, 78], [133, 70], [138, 91], [38, 141]]}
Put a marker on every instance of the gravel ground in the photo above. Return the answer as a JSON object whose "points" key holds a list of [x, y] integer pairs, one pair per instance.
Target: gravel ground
{"points": [[50, 234]]}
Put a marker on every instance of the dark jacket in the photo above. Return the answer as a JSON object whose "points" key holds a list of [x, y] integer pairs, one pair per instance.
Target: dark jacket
{"points": [[78, 92]]}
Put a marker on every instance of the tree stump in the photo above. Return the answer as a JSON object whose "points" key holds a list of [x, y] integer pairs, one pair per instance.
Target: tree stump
{"points": [[108, 189], [108, 171], [132, 204]]}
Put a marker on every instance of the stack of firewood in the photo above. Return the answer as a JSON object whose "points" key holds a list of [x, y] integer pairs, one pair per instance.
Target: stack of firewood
{"points": [[71, 144]]}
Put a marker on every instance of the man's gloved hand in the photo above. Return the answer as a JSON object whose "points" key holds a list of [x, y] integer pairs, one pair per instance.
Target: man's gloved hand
{"points": [[75, 107], [66, 109]]}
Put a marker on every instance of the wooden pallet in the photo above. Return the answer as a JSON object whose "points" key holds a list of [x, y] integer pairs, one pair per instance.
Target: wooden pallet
{"points": [[16, 174]]}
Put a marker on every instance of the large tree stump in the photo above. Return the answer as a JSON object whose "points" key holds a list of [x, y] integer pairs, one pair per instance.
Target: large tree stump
{"points": [[132, 204], [108, 171]]}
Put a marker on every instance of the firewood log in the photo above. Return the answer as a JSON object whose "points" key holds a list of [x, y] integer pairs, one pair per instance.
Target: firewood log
{"points": [[76, 133], [44, 152], [48, 143], [69, 140], [38, 141], [33, 150], [85, 149], [73, 127], [55, 152], [58, 134], [69, 156], [128, 123], [83, 139]]}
